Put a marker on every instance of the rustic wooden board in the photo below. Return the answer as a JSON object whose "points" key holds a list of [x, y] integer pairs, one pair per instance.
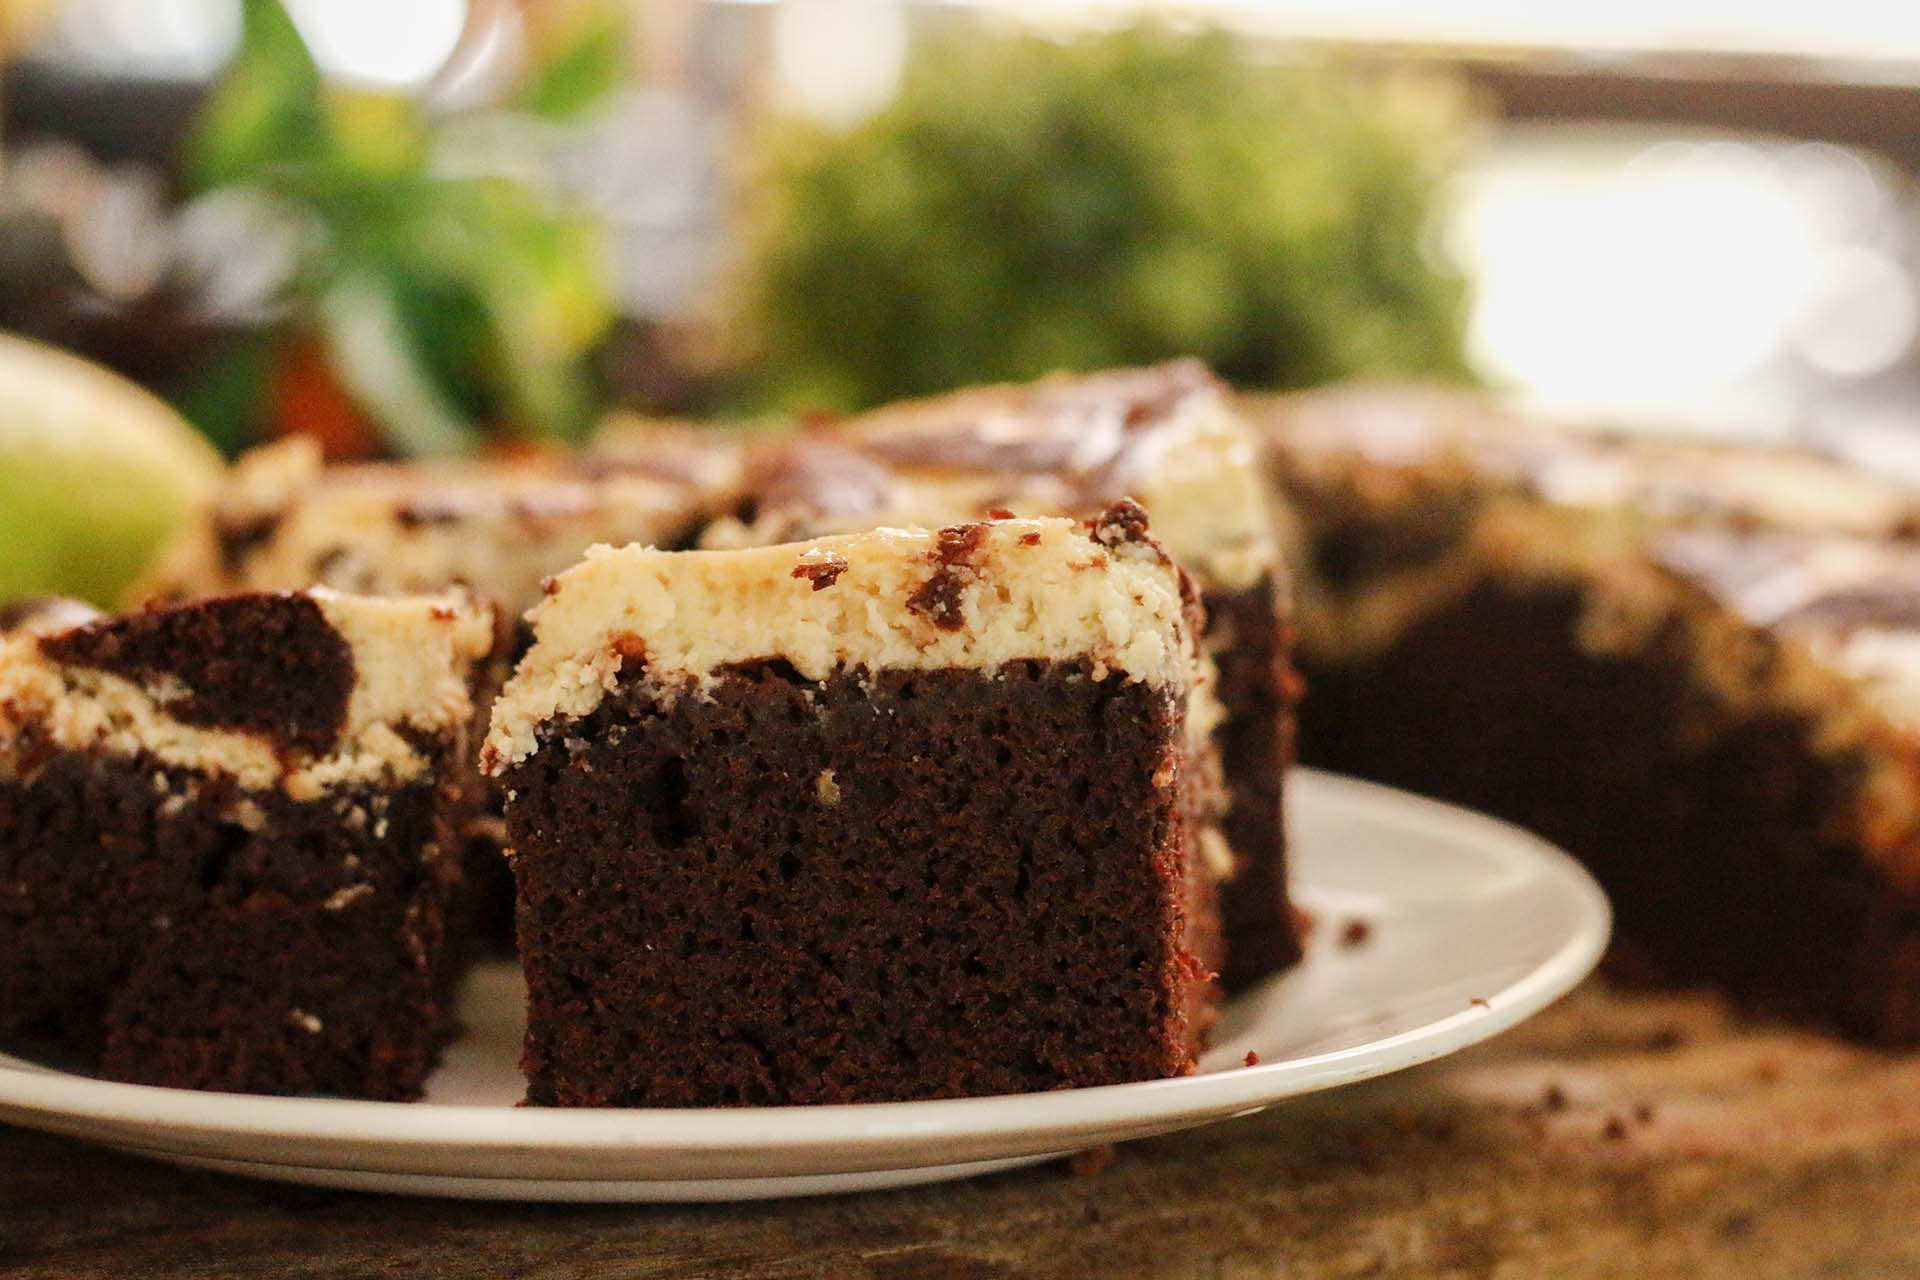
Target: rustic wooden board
{"points": [[1613, 1136]]}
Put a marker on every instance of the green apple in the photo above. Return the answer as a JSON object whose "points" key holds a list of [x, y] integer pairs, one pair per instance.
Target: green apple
{"points": [[94, 475]]}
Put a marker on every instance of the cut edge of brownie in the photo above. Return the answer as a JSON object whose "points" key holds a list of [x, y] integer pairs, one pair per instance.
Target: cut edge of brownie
{"points": [[284, 519], [843, 878], [211, 884], [1260, 690]]}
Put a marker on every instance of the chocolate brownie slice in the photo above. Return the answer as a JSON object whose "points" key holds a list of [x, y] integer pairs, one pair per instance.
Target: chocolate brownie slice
{"points": [[226, 849], [882, 816], [1694, 666], [1167, 436]]}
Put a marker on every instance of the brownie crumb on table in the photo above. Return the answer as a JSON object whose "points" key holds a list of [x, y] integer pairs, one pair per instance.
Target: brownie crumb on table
{"points": [[1093, 1161]]}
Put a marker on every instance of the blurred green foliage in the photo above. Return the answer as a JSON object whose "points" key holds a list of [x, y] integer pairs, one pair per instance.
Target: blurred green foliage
{"points": [[1025, 206], [446, 306]]}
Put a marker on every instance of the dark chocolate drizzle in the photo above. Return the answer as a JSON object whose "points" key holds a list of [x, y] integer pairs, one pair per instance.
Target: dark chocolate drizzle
{"points": [[1832, 584], [820, 478], [823, 570], [1078, 426], [1097, 434]]}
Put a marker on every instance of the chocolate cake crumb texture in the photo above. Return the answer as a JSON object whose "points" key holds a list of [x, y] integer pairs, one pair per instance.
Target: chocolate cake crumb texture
{"points": [[863, 863], [1071, 446], [187, 928], [983, 910]]}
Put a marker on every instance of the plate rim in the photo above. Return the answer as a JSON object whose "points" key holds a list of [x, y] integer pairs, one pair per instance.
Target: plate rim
{"points": [[30, 1094]]}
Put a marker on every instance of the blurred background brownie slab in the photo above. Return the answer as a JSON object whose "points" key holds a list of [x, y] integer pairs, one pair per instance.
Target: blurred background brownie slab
{"points": [[1697, 667], [892, 815], [284, 520]]}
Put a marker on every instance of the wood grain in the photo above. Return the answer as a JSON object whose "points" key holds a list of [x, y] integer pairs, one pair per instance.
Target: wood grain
{"points": [[1612, 1136]]}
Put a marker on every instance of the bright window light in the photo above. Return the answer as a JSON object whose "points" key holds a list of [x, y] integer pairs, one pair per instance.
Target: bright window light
{"points": [[386, 43]]}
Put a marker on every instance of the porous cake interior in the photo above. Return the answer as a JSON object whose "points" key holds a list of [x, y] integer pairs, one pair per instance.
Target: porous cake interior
{"points": [[879, 885], [200, 952], [225, 839]]}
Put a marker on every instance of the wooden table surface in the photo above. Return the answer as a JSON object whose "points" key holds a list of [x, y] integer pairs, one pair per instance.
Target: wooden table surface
{"points": [[1612, 1136]]}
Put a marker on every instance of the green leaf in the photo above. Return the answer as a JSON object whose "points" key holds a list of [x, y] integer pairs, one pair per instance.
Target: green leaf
{"points": [[267, 108], [449, 305], [223, 396], [584, 60], [372, 351], [535, 276], [375, 135]]}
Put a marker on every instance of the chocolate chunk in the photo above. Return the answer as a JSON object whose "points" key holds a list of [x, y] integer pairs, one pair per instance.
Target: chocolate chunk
{"points": [[823, 570], [938, 599], [1123, 522], [289, 682]]}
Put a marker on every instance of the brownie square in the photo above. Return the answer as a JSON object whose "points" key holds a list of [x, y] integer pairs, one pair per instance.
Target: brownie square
{"points": [[846, 868], [226, 838]]}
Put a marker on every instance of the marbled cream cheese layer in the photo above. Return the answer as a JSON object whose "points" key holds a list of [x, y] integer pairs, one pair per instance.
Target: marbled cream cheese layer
{"points": [[888, 598], [413, 659], [284, 521], [1168, 437], [1383, 440]]}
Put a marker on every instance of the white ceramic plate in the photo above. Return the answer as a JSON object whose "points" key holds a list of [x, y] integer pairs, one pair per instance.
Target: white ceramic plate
{"points": [[1473, 926]]}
